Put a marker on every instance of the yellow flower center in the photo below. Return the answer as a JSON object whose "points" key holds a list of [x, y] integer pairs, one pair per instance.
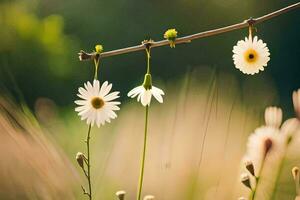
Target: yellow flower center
{"points": [[250, 55], [97, 103]]}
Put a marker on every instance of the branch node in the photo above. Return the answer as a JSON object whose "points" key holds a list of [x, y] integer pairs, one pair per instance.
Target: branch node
{"points": [[148, 43], [251, 21], [84, 191]]}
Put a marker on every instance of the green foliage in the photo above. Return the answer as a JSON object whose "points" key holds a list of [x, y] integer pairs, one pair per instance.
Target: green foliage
{"points": [[34, 48]]}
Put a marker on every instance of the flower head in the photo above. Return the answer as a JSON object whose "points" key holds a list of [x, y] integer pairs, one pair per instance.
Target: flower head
{"points": [[266, 143], [144, 92], [171, 35], [99, 48], [251, 55], [96, 105]]}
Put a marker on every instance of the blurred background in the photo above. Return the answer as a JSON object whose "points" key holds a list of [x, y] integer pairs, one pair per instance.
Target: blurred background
{"points": [[197, 137]]}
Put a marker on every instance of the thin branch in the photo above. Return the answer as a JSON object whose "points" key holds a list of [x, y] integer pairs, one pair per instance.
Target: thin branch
{"points": [[189, 38]]}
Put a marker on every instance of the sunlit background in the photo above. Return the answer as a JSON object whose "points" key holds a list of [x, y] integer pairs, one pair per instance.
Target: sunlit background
{"points": [[197, 137]]}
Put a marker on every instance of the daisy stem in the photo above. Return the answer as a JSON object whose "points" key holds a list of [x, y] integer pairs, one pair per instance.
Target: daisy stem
{"points": [[143, 156], [148, 59], [250, 31], [96, 61], [88, 162]]}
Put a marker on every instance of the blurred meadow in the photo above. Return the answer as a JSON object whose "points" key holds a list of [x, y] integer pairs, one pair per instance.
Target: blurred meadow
{"points": [[197, 138]]}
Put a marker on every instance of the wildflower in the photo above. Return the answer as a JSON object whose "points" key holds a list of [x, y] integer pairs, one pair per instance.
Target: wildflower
{"points": [[99, 48], [145, 92], [265, 143], [251, 55], [171, 35], [96, 105], [245, 179], [273, 116]]}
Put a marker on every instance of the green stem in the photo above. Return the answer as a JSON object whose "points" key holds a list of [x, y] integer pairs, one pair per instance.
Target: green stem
{"points": [[257, 180], [148, 59], [278, 176], [143, 156], [88, 162], [96, 62]]}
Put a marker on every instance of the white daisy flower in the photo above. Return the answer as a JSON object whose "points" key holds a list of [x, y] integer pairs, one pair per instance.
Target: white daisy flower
{"points": [[144, 92], [144, 95], [96, 106], [265, 144], [251, 55]]}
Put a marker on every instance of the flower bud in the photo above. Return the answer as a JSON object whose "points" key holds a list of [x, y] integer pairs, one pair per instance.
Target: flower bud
{"points": [[273, 116], [147, 81], [250, 167], [296, 102], [171, 35], [99, 48], [149, 197], [245, 179], [242, 198], [295, 172], [121, 194], [80, 159]]}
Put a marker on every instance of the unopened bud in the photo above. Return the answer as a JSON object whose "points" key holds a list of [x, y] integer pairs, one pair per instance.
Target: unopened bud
{"points": [[295, 172], [250, 167], [171, 35], [80, 159], [149, 197], [273, 116], [296, 102], [99, 48], [296, 177], [242, 198], [121, 194], [147, 82], [245, 179]]}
